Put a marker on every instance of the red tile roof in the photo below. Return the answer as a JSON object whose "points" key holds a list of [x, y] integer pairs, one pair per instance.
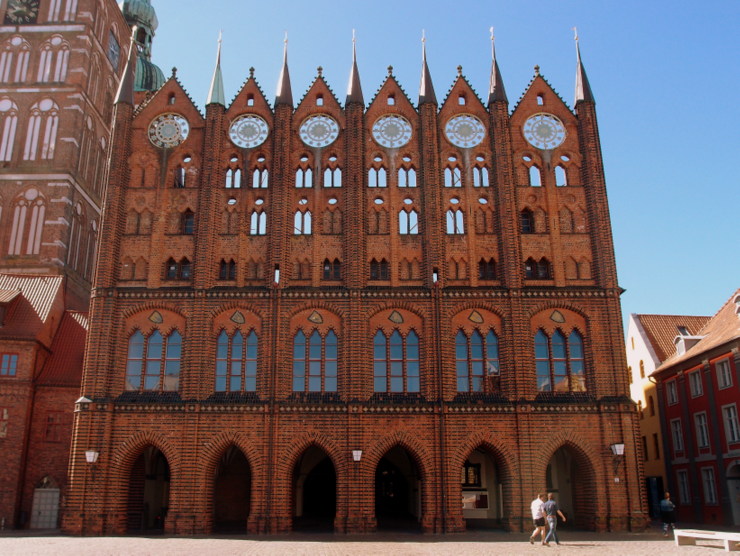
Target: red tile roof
{"points": [[721, 329], [661, 330], [64, 366], [39, 290]]}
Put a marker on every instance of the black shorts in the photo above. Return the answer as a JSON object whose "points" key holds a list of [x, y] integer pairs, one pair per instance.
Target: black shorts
{"points": [[539, 522]]}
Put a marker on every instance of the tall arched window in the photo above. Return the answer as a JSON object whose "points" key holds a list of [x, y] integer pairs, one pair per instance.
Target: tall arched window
{"points": [[28, 223], [379, 270], [408, 222], [455, 224], [8, 125], [396, 362], [187, 222], [333, 177], [559, 362], [561, 176], [42, 124], [258, 223], [54, 60], [534, 176], [227, 270], [537, 270], [406, 177], [14, 58], [480, 176], [377, 177], [315, 362], [476, 361], [236, 362], [304, 177], [153, 363], [261, 177], [332, 270], [453, 177], [233, 178], [486, 269], [302, 223]]}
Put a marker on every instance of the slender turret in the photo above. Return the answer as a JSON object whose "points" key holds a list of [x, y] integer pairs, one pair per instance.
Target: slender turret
{"points": [[216, 92], [284, 93]]}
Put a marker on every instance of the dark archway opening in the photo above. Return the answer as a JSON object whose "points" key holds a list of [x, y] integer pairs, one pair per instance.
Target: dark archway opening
{"points": [[570, 477], [232, 492], [397, 491], [315, 491], [482, 491], [148, 492]]}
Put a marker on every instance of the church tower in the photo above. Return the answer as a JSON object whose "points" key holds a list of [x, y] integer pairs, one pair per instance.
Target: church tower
{"points": [[388, 312]]}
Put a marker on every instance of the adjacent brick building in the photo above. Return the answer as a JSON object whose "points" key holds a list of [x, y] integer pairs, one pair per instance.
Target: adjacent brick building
{"points": [[698, 392], [354, 316], [60, 62]]}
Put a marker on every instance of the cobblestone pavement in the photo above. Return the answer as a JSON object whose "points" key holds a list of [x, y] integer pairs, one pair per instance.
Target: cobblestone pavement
{"points": [[650, 543]]}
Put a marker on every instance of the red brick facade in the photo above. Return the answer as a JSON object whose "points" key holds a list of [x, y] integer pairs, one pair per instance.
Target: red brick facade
{"points": [[180, 452]]}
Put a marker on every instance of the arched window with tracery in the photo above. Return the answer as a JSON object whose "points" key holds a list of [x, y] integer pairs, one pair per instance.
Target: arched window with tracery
{"points": [[8, 126], [559, 361], [43, 122], [396, 364], [379, 270], [304, 175], [480, 176], [476, 360], [28, 224], [14, 57], [406, 177], [261, 175], [236, 362], [153, 362], [453, 177], [333, 175], [315, 360], [233, 178], [537, 270], [302, 223], [53, 60], [455, 223], [408, 222], [486, 269], [331, 270], [258, 223], [227, 270]]}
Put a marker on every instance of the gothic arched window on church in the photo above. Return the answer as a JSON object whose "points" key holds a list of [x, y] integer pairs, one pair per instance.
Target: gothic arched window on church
{"points": [[43, 122], [331, 270], [476, 361], [178, 270], [480, 176], [236, 362], [538, 270], [227, 270], [396, 365], [233, 178], [526, 221], [408, 222], [377, 177], [406, 177], [76, 239], [180, 177], [486, 269], [53, 60], [187, 223], [28, 224], [453, 177], [302, 223], [315, 362], [333, 177], [258, 223], [8, 126], [153, 362], [332, 222], [379, 270], [304, 178], [455, 224], [535, 179], [14, 57], [561, 176], [377, 222], [559, 362], [70, 10], [260, 178]]}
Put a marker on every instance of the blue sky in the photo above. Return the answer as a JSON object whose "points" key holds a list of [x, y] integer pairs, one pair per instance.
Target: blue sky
{"points": [[665, 76]]}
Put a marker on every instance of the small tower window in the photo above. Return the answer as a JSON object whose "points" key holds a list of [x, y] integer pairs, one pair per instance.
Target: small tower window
{"points": [[250, 100], [391, 100], [171, 99], [319, 100], [561, 178], [534, 176], [461, 100], [540, 100]]}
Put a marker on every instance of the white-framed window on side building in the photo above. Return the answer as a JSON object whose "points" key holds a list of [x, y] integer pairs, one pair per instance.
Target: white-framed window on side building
{"points": [[671, 392], [684, 491], [695, 384], [677, 435], [732, 425], [724, 374], [709, 486], [702, 430]]}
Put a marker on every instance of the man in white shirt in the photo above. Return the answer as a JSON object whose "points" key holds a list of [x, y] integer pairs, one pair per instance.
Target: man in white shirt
{"points": [[538, 517]]}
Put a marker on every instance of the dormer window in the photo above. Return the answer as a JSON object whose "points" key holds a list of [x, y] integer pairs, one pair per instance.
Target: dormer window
{"points": [[540, 100], [319, 100], [461, 100], [250, 100], [391, 100]]}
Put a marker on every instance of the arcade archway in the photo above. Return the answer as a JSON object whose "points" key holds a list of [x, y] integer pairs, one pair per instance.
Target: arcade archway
{"points": [[570, 477], [148, 492], [482, 490], [398, 491], [231, 492], [315, 491]]}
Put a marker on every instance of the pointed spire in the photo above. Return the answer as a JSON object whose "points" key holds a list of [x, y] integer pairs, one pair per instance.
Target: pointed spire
{"points": [[284, 92], [426, 89], [496, 91], [125, 91], [354, 88], [583, 89], [216, 93]]}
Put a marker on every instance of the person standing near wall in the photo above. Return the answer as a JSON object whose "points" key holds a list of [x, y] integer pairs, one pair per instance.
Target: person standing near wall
{"points": [[552, 511]]}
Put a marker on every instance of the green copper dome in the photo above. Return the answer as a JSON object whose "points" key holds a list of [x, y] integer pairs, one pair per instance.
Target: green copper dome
{"points": [[140, 13], [148, 76]]}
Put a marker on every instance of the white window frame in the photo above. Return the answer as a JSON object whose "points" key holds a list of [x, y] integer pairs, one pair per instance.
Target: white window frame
{"points": [[677, 435], [671, 392], [702, 430], [731, 423], [684, 488], [724, 374], [709, 486], [696, 385]]}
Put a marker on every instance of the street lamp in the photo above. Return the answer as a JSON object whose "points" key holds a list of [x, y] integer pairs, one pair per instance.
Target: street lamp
{"points": [[356, 455], [617, 457]]}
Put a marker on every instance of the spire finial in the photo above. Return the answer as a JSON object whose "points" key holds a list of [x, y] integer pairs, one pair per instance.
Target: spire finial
{"points": [[496, 91], [426, 89], [493, 48], [251, 72], [354, 88], [459, 71], [216, 92], [537, 69], [284, 91], [390, 70], [174, 71], [583, 88], [575, 34], [319, 70]]}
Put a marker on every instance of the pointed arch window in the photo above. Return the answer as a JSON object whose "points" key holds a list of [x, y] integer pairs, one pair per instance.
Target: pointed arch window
{"points": [[559, 362], [538, 270], [187, 223], [8, 126], [526, 220], [258, 223], [408, 222], [377, 177], [377, 222], [14, 58], [70, 10], [302, 223], [486, 269], [476, 361], [406, 177], [153, 363], [236, 362], [561, 176], [480, 176], [315, 362], [54, 60], [227, 270], [455, 224], [233, 178], [332, 270], [28, 224], [396, 367], [43, 122], [304, 178], [379, 270], [535, 179], [333, 177], [453, 177], [178, 270], [261, 178]]}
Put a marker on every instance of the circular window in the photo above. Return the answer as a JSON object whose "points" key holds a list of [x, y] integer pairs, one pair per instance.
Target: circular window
{"points": [[248, 131], [231, 201], [408, 201], [454, 200], [303, 201], [259, 202], [378, 201], [234, 159], [483, 201], [333, 201]]}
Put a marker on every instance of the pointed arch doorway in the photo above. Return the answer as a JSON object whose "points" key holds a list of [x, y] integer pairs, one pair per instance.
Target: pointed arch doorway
{"points": [[148, 492], [571, 478], [314, 491], [232, 492], [398, 487]]}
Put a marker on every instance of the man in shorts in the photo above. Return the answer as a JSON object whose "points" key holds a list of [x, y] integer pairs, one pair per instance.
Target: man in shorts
{"points": [[538, 517]]}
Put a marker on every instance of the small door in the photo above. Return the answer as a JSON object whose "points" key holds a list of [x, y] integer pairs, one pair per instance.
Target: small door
{"points": [[45, 512]]}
